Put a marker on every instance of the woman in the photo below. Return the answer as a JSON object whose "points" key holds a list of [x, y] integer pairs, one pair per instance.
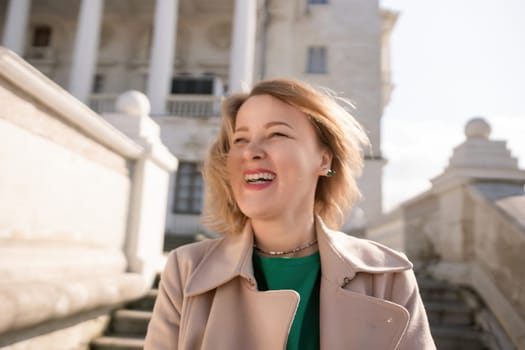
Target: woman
{"points": [[279, 179]]}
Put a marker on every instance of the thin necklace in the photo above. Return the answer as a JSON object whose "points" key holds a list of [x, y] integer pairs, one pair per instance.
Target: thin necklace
{"points": [[285, 252]]}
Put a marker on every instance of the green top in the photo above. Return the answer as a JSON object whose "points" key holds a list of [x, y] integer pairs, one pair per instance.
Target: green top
{"points": [[302, 275]]}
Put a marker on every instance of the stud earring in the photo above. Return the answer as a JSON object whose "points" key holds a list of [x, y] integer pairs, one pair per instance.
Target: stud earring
{"points": [[330, 173]]}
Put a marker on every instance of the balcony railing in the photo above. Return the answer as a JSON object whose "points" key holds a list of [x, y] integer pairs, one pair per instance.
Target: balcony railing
{"points": [[198, 106], [194, 105]]}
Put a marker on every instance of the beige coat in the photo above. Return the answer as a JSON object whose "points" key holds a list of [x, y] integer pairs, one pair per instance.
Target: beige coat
{"points": [[208, 299]]}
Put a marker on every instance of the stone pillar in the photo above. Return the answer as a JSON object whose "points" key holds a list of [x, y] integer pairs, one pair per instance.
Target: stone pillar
{"points": [[16, 25], [280, 59], [243, 45], [86, 49], [151, 173], [162, 54]]}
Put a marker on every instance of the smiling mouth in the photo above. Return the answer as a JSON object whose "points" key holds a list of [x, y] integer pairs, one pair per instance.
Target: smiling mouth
{"points": [[259, 178]]}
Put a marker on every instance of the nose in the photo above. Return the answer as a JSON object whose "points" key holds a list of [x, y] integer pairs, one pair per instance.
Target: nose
{"points": [[254, 150]]}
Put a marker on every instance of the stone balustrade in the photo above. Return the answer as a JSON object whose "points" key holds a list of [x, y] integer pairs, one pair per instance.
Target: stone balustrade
{"points": [[469, 228], [194, 105], [77, 200], [198, 106]]}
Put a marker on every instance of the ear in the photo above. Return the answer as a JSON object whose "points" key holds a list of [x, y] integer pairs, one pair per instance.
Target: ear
{"points": [[326, 161]]}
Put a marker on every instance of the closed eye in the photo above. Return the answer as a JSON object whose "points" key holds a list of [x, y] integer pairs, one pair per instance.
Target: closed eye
{"points": [[239, 140], [278, 134]]}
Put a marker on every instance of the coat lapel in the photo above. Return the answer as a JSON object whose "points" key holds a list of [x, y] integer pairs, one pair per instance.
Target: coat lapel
{"points": [[349, 319], [240, 316], [254, 320], [352, 320], [229, 258]]}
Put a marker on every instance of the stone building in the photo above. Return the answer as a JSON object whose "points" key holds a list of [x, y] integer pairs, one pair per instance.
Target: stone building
{"points": [[186, 54]]}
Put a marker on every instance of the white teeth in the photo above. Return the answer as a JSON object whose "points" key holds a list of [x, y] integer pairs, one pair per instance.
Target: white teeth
{"points": [[259, 177]]}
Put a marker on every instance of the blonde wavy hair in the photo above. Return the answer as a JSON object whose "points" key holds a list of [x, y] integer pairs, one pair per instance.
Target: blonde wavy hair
{"points": [[337, 130]]}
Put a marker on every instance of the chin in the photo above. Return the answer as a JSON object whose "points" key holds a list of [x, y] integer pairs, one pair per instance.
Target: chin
{"points": [[259, 213]]}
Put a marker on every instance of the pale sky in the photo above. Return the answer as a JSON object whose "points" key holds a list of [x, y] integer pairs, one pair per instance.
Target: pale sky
{"points": [[451, 60]]}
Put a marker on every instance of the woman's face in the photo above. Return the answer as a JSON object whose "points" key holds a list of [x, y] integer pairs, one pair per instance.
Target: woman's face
{"points": [[275, 160]]}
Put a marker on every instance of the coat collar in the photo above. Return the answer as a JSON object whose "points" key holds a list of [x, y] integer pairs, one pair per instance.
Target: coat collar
{"points": [[342, 257]]}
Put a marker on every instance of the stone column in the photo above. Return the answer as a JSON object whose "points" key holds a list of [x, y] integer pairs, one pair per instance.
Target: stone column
{"points": [[86, 49], [162, 55], [243, 45], [16, 25]]}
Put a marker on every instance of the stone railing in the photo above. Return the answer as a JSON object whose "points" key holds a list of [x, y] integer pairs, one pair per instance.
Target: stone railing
{"points": [[469, 229], [194, 105], [198, 106], [82, 211], [493, 231]]}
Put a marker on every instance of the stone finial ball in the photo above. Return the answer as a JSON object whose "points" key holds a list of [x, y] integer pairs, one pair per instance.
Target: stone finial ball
{"points": [[133, 103], [477, 128]]}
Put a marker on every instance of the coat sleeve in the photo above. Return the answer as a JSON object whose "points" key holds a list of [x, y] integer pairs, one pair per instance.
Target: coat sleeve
{"points": [[163, 328], [406, 292]]}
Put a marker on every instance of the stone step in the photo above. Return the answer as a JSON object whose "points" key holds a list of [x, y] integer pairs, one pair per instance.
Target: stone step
{"points": [[130, 322], [449, 313], [145, 303], [117, 343], [458, 338], [432, 290]]}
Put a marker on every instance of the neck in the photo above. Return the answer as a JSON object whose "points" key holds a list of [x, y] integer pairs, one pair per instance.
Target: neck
{"points": [[285, 235]]}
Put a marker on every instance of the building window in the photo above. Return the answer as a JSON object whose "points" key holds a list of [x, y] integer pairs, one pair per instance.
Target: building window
{"points": [[315, 2], [188, 189], [192, 85], [41, 36], [316, 60], [98, 84]]}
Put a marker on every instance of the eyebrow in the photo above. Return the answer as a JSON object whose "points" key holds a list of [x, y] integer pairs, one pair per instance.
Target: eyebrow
{"points": [[267, 125]]}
